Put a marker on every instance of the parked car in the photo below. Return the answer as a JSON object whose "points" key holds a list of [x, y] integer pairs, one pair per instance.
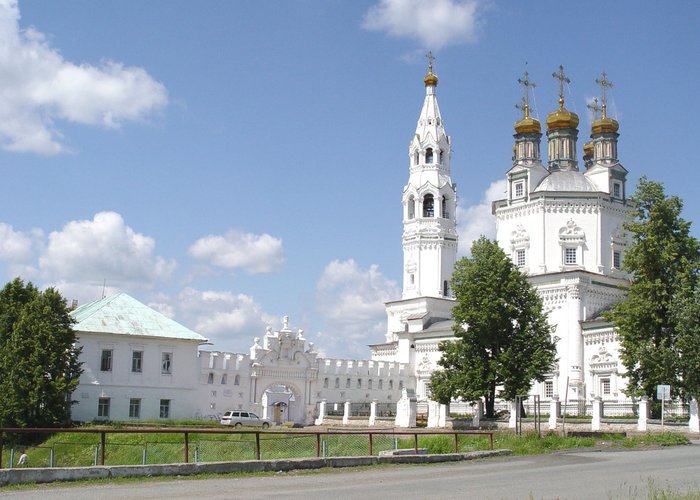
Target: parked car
{"points": [[241, 418]]}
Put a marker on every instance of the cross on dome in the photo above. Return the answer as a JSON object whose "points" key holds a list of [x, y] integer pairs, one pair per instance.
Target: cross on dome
{"points": [[526, 83], [595, 107], [605, 84], [559, 75]]}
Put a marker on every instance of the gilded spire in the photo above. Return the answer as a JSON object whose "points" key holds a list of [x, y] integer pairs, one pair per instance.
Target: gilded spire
{"points": [[431, 78], [595, 107], [604, 124], [562, 117], [526, 123]]}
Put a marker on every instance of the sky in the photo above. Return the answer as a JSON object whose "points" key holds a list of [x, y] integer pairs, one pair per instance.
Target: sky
{"points": [[231, 162]]}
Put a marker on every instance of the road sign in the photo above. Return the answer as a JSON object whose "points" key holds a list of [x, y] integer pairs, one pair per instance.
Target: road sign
{"points": [[663, 392]]}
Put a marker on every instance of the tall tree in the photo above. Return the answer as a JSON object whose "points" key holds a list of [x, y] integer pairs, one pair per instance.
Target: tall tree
{"points": [[38, 354], [663, 261], [502, 336]]}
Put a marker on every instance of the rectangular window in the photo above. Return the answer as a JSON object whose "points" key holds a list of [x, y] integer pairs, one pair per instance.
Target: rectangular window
{"points": [[520, 257], [103, 408], [164, 408], [617, 260], [167, 363], [519, 189], [605, 386], [137, 361], [134, 408], [106, 360], [548, 388], [617, 190], [569, 256]]}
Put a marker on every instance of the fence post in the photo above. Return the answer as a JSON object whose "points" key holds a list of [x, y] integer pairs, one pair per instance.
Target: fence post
{"points": [[1, 443], [554, 410], [456, 443], [51, 456], [143, 455], [415, 442], [694, 420], [370, 444], [346, 413], [597, 413], [257, 445], [96, 459], [102, 447], [12, 457], [373, 413], [643, 414], [318, 444], [187, 447]]}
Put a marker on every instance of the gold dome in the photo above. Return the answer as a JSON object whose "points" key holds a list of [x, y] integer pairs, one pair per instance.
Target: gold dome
{"points": [[588, 149], [527, 124], [431, 78], [561, 118], [604, 124]]}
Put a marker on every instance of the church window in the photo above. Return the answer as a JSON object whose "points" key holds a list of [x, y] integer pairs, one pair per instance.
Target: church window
{"points": [[359, 383], [106, 360], [411, 207], [210, 378], [166, 363], [519, 189], [617, 190], [548, 388], [605, 386], [570, 256], [380, 385], [415, 158], [441, 157], [401, 385], [134, 408], [237, 380], [445, 289], [617, 259], [412, 278], [369, 384], [164, 408], [391, 385], [520, 257], [137, 361], [443, 210], [325, 382], [224, 379], [429, 155], [103, 407], [337, 383], [347, 384], [428, 206]]}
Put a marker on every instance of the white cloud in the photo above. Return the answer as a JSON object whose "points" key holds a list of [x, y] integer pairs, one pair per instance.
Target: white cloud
{"points": [[104, 248], [435, 23], [352, 300], [39, 87], [230, 321], [477, 220], [17, 249], [254, 253]]}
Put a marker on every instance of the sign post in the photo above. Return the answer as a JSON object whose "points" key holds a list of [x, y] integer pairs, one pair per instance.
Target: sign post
{"points": [[663, 392]]}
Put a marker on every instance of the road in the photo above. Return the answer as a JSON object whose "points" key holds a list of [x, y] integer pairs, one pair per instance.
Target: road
{"points": [[575, 475]]}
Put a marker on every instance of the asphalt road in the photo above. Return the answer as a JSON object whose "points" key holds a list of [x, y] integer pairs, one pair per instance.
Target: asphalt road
{"points": [[578, 475]]}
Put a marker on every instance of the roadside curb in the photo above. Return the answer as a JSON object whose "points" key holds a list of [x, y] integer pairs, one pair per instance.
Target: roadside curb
{"points": [[49, 475]]}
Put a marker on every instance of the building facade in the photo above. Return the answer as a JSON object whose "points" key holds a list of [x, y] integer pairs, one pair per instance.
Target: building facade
{"points": [[561, 224]]}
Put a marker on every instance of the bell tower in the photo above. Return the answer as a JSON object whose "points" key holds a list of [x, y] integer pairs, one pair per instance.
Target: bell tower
{"points": [[429, 204]]}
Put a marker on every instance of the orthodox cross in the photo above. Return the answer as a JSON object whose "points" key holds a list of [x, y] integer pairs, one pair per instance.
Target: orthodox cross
{"points": [[605, 84], [595, 108], [562, 78], [430, 58], [526, 83]]}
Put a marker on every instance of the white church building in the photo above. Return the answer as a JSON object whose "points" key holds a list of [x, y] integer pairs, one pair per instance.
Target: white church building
{"points": [[560, 222]]}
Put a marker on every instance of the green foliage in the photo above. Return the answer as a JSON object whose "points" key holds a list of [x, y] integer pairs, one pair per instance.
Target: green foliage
{"points": [[38, 354], [658, 337], [502, 335]]}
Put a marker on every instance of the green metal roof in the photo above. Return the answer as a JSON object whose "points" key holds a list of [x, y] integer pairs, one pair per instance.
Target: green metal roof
{"points": [[123, 315]]}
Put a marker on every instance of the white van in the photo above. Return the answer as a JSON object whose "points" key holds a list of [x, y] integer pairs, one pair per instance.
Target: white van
{"points": [[241, 418]]}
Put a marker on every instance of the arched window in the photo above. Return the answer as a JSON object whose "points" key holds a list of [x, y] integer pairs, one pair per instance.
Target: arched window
{"points": [[443, 208], [210, 378], [347, 384], [369, 384], [428, 206], [325, 382], [391, 385], [401, 385], [381, 384], [337, 383], [224, 379], [411, 207], [359, 383], [429, 155], [445, 288], [441, 157], [237, 380]]}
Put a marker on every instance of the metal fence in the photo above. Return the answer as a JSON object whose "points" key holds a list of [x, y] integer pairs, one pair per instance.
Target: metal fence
{"points": [[83, 447]]}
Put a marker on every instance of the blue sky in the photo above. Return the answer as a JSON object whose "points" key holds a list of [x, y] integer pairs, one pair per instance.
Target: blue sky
{"points": [[230, 162]]}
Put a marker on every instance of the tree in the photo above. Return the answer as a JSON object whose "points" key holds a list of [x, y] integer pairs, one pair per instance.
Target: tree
{"points": [[502, 336], [663, 261], [38, 354]]}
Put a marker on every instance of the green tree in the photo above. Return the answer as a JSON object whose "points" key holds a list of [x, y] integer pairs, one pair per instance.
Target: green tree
{"points": [[663, 261], [38, 354], [502, 336]]}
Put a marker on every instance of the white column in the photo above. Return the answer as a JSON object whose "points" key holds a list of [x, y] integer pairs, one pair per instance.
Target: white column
{"points": [[346, 413], [694, 421], [433, 416], [554, 411], [512, 421], [321, 412], [478, 413], [373, 413], [597, 413], [643, 411], [442, 416]]}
